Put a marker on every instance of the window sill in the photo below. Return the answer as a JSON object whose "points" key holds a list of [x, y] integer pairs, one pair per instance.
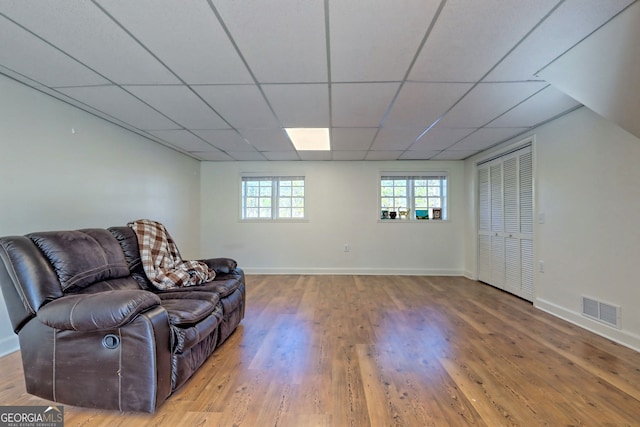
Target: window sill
{"points": [[272, 221], [411, 221]]}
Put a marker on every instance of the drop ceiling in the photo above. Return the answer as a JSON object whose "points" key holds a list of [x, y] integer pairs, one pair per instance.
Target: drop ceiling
{"points": [[219, 80]]}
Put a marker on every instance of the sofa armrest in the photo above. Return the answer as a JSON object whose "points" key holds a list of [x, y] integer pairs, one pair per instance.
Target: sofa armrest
{"points": [[94, 312], [221, 265]]}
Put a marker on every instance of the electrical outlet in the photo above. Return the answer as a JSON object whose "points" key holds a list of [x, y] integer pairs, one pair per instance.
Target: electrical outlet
{"points": [[541, 266], [346, 247]]}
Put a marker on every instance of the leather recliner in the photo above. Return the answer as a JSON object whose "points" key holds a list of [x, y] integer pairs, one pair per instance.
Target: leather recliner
{"points": [[94, 332]]}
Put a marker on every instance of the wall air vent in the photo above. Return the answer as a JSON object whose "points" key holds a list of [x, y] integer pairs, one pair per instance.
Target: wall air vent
{"points": [[606, 313]]}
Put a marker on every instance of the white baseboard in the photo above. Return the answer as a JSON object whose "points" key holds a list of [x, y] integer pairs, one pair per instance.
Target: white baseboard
{"points": [[471, 275], [9, 345], [619, 336], [355, 271]]}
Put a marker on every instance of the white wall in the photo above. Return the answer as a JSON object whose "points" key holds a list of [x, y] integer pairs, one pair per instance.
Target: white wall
{"points": [[103, 175], [588, 186], [342, 208]]}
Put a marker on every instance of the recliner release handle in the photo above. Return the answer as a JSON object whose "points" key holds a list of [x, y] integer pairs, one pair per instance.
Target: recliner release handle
{"points": [[111, 341]]}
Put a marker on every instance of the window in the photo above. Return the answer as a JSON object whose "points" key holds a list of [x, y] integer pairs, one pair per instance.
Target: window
{"points": [[413, 197], [273, 197]]}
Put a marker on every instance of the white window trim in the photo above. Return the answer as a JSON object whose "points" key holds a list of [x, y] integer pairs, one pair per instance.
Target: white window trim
{"points": [[412, 220], [271, 176]]}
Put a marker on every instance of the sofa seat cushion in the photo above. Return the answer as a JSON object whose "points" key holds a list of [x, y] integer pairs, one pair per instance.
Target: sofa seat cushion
{"points": [[184, 293], [184, 338], [226, 286], [220, 286], [185, 312], [233, 301]]}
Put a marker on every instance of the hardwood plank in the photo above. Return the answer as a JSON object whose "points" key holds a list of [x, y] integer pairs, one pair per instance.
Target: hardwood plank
{"points": [[389, 351]]}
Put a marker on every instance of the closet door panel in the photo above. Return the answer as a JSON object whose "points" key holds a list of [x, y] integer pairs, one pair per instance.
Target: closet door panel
{"points": [[510, 196], [497, 262], [505, 223], [484, 258], [495, 178], [513, 274], [526, 193], [484, 207], [527, 287]]}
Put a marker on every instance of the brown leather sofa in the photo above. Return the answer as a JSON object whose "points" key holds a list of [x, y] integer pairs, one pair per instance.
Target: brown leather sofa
{"points": [[94, 332]]}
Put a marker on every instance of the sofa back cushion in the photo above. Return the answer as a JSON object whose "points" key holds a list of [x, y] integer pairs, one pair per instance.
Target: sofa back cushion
{"points": [[82, 257], [129, 244]]}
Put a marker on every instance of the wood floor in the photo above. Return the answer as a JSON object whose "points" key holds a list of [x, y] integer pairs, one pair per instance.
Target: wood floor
{"points": [[390, 351]]}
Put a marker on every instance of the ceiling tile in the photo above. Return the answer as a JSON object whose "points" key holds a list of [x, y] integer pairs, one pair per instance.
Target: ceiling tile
{"points": [[107, 104], [487, 101], [360, 51], [267, 139], [384, 155], [225, 139], [361, 104], [281, 44], [567, 26], [395, 138], [352, 139], [25, 53], [83, 31], [487, 137], [180, 104], [243, 106], [27, 81], [189, 40], [543, 106], [471, 37], [420, 104], [419, 154], [455, 154], [300, 105], [116, 102], [349, 155], [440, 138], [212, 156], [314, 155], [281, 155], [246, 155], [182, 139]]}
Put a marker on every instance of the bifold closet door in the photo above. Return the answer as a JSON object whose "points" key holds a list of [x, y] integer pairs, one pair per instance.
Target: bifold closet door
{"points": [[505, 223]]}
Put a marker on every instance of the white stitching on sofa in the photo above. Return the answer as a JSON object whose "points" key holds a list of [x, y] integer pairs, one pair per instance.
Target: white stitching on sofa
{"points": [[120, 369], [71, 314], [55, 341]]}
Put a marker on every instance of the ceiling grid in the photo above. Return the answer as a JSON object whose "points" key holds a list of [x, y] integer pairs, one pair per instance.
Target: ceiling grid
{"points": [[219, 80]]}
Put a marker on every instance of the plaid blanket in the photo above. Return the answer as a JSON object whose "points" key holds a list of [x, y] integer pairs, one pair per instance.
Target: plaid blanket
{"points": [[161, 260]]}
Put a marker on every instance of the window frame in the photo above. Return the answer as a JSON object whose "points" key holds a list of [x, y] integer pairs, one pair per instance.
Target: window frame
{"points": [[411, 176], [276, 197]]}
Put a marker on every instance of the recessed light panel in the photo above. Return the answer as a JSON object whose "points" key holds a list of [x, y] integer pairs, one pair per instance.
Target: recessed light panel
{"points": [[305, 139]]}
